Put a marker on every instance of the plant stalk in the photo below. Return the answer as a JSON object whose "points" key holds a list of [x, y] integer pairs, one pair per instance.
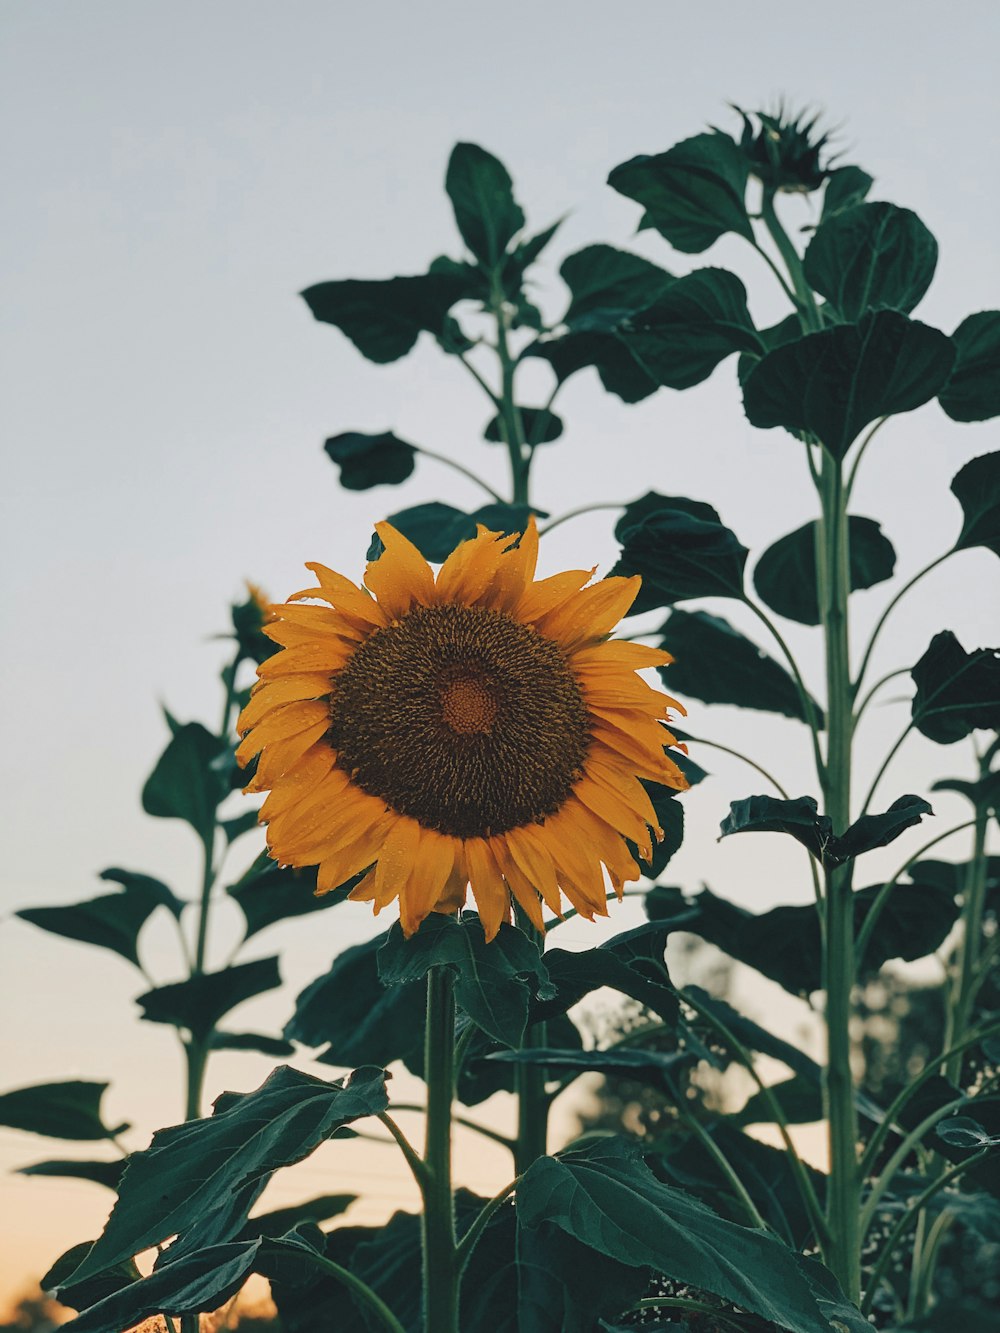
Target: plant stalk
{"points": [[440, 1264]]}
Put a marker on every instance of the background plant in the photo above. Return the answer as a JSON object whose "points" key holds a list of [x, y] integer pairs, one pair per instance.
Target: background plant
{"points": [[847, 359]]}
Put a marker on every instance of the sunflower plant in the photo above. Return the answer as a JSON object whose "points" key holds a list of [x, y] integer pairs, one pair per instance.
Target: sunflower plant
{"points": [[456, 741]]}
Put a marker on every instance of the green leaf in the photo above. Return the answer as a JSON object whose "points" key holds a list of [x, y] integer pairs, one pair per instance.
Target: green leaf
{"points": [[78, 1295], [482, 196], [540, 426], [235, 828], [198, 1003], [279, 1220], [785, 576], [69, 1110], [755, 1037], [370, 460], [349, 1008], [101, 1173], [656, 1066], [957, 692], [961, 1131], [718, 665], [189, 1171], [139, 885], [492, 979], [112, 921], [436, 529], [870, 257], [185, 784], [845, 187], [699, 320], [198, 1282], [800, 1099], [384, 317], [610, 1201], [973, 391], [835, 383], [528, 250], [583, 346], [670, 813], [610, 283], [766, 814], [977, 487], [267, 893], [252, 1041], [681, 549], [631, 963], [871, 831], [693, 193]]}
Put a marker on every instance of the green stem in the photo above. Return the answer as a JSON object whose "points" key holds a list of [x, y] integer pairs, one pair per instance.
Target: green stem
{"points": [[884, 767], [480, 380], [921, 1289], [493, 1135], [911, 1140], [804, 298], [457, 467], [966, 981], [721, 1161], [738, 754], [410, 1154], [859, 454], [532, 1104], [576, 513], [882, 680], [440, 1270], [908, 1219], [480, 1222], [357, 1288], [805, 698], [888, 610], [511, 424]]}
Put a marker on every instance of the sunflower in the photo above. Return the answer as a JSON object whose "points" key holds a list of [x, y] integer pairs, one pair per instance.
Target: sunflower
{"points": [[477, 729]]}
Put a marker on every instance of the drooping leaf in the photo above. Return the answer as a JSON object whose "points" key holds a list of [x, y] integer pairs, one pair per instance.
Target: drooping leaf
{"points": [[961, 1131], [370, 460], [79, 1295], [384, 317], [767, 814], [101, 1173], [138, 885], [717, 664], [186, 784], [349, 1008], [835, 383], [609, 1200], [870, 257], [267, 893], [698, 321], [112, 921], [191, 1170], [493, 980], [656, 1066], [69, 1110], [631, 963], [871, 831], [977, 487], [693, 193], [482, 196], [785, 576], [252, 1041], [592, 342], [973, 391], [198, 1003], [956, 691], [845, 187], [680, 553], [540, 426]]}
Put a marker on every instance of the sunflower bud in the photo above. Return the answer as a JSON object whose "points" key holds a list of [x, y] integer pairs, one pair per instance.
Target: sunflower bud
{"points": [[781, 151]]}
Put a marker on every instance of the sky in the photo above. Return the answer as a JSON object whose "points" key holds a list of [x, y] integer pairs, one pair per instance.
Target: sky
{"points": [[174, 174]]}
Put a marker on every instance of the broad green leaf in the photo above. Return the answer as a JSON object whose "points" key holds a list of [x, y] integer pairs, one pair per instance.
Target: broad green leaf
{"points": [[384, 317], [610, 1201], [145, 885], [766, 814], [349, 1008], [540, 426], [871, 831], [957, 691], [370, 460], [611, 283], [631, 963], [680, 552], [112, 921], [436, 528], [479, 1077], [198, 1282], [835, 383], [973, 391], [267, 893], [482, 196], [984, 792], [977, 488], [845, 187], [191, 1170], [717, 664], [198, 1003], [656, 1066], [800, 1099], [753, 1036], [693, 193], [870, 257], [101, 1173], [698, 321], [185, 784], [279, 1220], [785, 576], [556, 1284], [70, 1110], [591, 342], [252, 1041], [82, 1294], [493, 980], [527, 251]]}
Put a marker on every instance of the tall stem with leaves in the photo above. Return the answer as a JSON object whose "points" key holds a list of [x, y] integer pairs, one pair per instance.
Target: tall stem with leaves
{"points": [[440, 1264]]}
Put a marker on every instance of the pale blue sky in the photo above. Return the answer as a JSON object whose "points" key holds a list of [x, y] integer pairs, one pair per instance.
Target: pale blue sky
{"points": [[174, 173]]}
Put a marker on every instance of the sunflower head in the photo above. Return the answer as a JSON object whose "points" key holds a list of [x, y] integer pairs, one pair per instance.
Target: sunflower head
{"points": [[782, 150], [474, 730]]}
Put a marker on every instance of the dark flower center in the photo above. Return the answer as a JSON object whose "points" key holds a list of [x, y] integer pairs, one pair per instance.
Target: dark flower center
{"points": [[462, 718]]}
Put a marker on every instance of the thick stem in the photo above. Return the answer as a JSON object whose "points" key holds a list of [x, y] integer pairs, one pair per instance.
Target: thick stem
{"points": [[843, 1253], [440, 1265], [532, 1104], [511, 424], [965, 982]]}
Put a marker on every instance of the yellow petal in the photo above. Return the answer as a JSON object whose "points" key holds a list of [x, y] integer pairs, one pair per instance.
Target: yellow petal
{"points": [[431, 863], [616, 654], [283, 723], [541, 598], [488, 888], [467, 574], [327, 656], [521, 886], [515, 571], [533, 859], [280, 756], [591, 614], [347, 597], [309, 818], [299, 781], [339, 866], [285, 690], [400, 576]]}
